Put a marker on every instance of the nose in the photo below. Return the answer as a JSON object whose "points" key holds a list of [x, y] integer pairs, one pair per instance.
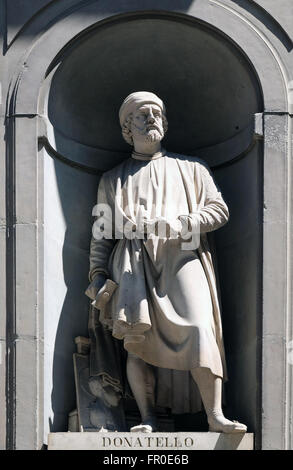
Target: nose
{"points": [[150, 118]]}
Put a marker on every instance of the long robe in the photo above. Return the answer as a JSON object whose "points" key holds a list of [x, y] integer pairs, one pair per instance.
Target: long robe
{"points": [[166, 306]]}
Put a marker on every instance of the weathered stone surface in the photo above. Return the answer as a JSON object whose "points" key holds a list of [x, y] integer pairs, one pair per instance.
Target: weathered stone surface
{"points": [[150, 441]]}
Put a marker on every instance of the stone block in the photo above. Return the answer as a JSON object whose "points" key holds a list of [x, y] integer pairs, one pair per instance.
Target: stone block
{"points": [[26, 279], [26, 170], [149, 441]]}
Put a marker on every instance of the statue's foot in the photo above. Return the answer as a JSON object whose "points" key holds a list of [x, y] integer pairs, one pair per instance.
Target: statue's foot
{"points": [[149, 425], [218, 423], [103, 429], [142, 428]]}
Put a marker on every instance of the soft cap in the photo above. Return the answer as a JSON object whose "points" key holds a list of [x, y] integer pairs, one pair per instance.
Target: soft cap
{"points": [[135, 100]]}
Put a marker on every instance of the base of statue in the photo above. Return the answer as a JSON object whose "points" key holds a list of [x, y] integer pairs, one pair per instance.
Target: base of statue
{"points": [[182, 441]]}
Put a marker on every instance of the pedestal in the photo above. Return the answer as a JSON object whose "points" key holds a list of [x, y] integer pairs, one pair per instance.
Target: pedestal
{"points": [[153, 441]]}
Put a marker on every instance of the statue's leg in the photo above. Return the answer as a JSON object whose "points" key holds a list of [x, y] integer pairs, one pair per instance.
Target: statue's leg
{"points": [[142, 381], [210, 387]]}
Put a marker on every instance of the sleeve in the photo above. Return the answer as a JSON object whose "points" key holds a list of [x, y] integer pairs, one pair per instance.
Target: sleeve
{"points": [[213, 212], [102, 242]]}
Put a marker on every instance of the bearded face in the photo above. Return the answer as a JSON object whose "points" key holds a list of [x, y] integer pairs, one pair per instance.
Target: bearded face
{"points": [[147, 124]]}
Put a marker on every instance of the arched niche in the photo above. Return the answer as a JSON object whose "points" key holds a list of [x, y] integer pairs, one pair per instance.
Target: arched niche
{"points": [[43, 220], [212, 94], [210, 90]]}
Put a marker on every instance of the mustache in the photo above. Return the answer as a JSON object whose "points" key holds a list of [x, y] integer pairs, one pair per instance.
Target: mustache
{"points": [[146, 130], [151, 127]]}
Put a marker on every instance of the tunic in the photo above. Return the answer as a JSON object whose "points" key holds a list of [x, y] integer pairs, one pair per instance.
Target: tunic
{"points": [[166, 306]]}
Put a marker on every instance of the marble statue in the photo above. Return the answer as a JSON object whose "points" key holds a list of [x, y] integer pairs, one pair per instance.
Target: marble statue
{"points": [[151, 269]]}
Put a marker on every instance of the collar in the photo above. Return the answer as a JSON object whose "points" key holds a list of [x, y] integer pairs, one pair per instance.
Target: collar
{"points": [[145, 156]]}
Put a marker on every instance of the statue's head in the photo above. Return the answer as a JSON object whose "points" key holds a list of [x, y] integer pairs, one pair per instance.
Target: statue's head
{"points": [[143, 117]]}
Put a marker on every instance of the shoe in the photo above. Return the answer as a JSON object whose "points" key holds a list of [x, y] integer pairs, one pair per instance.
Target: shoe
{"points": [[218, 423], [142, 428], [149, 424]]}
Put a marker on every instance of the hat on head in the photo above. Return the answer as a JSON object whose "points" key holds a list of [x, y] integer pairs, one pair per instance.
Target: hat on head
{"points": [[135, 100]]}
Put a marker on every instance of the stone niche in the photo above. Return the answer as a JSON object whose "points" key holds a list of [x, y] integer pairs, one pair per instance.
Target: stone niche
{"points": [[211, 94]]}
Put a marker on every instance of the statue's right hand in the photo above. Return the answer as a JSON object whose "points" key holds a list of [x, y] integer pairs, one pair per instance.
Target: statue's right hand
{"points": [[95, 286]]}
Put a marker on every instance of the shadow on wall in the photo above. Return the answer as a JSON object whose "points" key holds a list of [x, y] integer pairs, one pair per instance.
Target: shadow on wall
{"points": [[77, 192]]}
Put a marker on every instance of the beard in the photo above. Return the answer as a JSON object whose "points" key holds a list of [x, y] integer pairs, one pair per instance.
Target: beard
{"points": [[149, 136], [153, 136]]}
